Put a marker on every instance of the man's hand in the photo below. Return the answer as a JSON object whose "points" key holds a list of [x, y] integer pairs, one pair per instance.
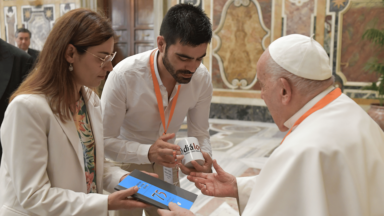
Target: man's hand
{"points": [[119, 200], [151, 174], [206, 168], [161, 152], [220, 184], [175, 210]]}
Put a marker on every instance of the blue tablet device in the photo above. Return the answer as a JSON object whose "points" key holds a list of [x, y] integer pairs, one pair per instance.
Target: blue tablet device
{"points": [[156, 192]]}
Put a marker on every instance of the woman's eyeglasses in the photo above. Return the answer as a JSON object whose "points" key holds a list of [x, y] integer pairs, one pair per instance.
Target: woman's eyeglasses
{"points": [[104, 60]]}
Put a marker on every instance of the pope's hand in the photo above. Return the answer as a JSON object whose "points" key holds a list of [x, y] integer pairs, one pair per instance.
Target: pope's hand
{"points": [[220, 184], [205, 168], [119, 200], [175, 210], [161, 152]]}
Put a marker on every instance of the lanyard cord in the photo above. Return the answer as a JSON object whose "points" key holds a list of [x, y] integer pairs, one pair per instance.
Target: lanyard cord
{"points": [[158, 95], [319, 105]]}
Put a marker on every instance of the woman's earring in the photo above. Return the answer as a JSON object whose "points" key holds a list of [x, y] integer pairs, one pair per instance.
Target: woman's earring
{"points": [[70, 67]]}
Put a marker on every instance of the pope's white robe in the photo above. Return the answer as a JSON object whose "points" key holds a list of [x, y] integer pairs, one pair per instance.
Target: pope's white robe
{"points": [[331, 164]]}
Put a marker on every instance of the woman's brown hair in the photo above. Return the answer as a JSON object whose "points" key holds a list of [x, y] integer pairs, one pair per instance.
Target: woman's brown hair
{"points": [[82, 28]]}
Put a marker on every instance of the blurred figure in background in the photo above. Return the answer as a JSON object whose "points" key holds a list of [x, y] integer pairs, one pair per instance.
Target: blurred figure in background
{"points": [[15, 65], [23, 40]]}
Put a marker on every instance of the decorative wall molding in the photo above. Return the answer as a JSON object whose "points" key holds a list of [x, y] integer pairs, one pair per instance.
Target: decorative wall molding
{"points": [[91, 4], [38, 20], [236, 83], [196, 3], [351, 31], [64, 8], [239, 3], [10, 21], [298, 2]]}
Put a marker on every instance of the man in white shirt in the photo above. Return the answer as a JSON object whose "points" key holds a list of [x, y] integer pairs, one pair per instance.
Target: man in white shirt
{"points": [[331, 161], [135, 135]]}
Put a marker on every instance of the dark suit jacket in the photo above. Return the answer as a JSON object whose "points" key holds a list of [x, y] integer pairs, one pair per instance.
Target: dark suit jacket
{"points": [[14, 66], [34, 54]]}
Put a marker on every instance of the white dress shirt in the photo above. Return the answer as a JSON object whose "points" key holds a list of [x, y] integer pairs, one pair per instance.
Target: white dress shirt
{"points": [[131, 117]]}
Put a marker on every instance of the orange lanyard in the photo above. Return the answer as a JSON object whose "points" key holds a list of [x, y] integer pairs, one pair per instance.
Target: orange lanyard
{"points": [[158, 94], [319, 105]]}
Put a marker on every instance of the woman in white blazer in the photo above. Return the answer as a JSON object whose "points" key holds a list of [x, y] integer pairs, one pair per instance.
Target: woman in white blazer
{"points": [[53, 151]]}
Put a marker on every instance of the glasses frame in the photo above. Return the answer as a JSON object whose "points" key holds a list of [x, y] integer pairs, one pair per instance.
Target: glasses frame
{"points": [[104, 60]]}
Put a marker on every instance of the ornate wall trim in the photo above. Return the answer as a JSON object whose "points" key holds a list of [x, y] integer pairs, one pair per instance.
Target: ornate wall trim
{"points": [[240, 83]]}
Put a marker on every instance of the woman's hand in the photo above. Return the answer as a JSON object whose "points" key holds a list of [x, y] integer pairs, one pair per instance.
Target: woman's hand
{"points": [[119, 200]]}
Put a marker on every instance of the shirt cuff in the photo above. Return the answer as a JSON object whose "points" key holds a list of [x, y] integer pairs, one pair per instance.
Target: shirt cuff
{"points": [[142, 153]]}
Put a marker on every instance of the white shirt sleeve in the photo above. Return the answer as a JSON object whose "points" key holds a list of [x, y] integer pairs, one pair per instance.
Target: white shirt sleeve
{"points": [[198, 125], [113, 103]]}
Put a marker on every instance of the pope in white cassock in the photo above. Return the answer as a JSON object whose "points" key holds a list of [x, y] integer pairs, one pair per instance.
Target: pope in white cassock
{"points": [[332, 160]]}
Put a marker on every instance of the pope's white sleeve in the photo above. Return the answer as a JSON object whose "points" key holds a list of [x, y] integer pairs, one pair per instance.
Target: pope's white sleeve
{"points": [[198, 116], [244, 187], [26, 149], [114, 108]]}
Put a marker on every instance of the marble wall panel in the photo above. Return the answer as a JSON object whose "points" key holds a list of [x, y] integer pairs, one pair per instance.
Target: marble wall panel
{"points": [[356, 52], [218, 7], [38, 20], [337, 5], [64, 8], [10, 18], [299, 17], [60, 7], [241, 38], [328, 26]]}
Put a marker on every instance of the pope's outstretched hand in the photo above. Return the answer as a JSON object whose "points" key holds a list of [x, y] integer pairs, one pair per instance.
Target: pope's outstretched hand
{"points": [[220, 184]]}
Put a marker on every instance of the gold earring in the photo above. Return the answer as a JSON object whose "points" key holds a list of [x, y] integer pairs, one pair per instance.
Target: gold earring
{"points": [[70, 67]]}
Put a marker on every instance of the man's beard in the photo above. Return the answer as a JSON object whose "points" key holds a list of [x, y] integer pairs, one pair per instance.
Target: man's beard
{"points": [[176, 75]]}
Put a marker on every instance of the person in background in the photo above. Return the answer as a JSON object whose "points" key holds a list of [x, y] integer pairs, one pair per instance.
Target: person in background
{"points": [[330, 163], [52, 133], [169, 80], [15, 65], [23, 40]]}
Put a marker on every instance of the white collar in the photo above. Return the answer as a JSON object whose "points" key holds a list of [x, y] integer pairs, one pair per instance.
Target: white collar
{"points": [[291, 121], [157, 70]]}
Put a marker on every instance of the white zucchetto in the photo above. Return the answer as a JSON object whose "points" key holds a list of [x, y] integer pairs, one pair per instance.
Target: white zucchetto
{"points": [[302, 56]]}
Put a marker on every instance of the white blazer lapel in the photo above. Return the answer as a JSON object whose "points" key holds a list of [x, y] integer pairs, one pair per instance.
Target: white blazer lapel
{"points": [[94, 113], [70, 130]]}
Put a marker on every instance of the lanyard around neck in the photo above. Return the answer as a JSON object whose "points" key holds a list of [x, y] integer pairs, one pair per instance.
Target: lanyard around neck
{"points": [[158, 94], [319, 105]]}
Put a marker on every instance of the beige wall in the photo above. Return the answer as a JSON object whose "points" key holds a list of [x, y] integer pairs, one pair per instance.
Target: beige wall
{"points": [[243, 29], [20, 3]]}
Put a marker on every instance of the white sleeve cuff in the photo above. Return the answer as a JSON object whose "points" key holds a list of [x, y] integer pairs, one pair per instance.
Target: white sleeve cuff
{"points": [[244, 188], [142, 153]]}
